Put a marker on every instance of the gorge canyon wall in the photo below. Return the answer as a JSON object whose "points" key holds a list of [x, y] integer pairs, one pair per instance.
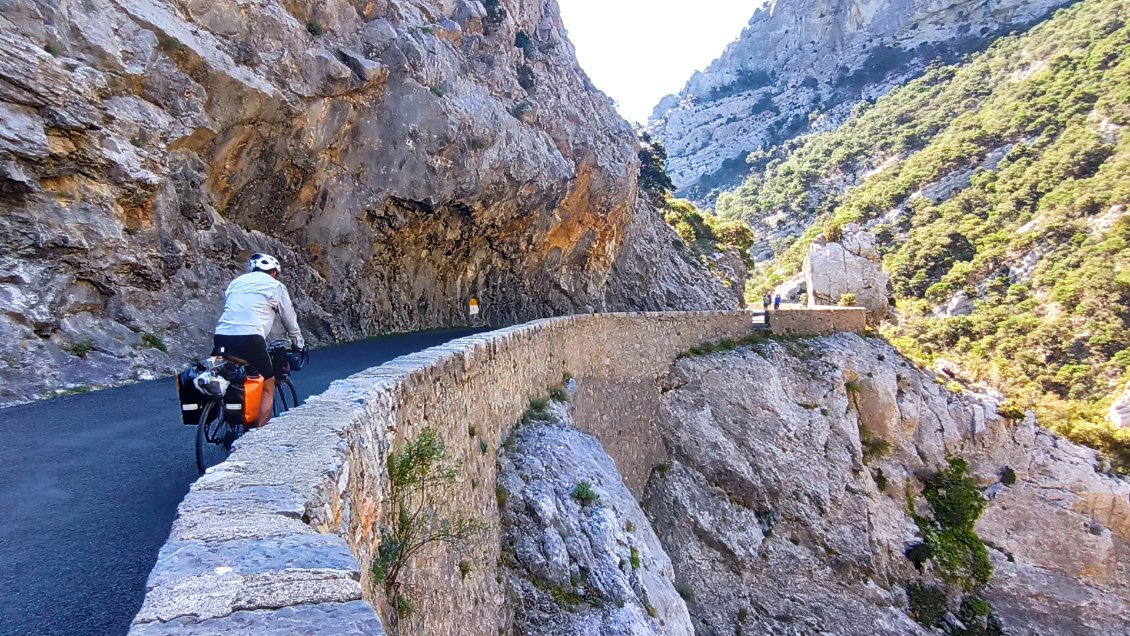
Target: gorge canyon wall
{"points": [[399, 156], [803, 64]]}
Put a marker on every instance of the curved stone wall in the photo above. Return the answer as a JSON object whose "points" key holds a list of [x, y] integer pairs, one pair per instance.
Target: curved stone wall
{"points": [[282, 534]]}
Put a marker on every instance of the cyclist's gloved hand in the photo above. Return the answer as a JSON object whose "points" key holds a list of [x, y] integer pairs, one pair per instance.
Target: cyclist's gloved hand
{"points": [[297, 348]]}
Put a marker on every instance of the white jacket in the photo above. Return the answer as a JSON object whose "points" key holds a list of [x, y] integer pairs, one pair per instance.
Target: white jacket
{"points": [[250, 304]]}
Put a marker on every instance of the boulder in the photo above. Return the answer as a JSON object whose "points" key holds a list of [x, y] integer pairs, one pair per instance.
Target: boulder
{"points": [[848, 266]]}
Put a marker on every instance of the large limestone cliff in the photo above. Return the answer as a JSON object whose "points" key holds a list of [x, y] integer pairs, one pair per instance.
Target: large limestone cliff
{"points": [[399, 156], [800, 57]]}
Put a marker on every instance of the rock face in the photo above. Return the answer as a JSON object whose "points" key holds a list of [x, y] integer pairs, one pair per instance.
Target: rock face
{"points": [[574, 566], [1119, 412], [800, 57], [848, 266], [784, 515], [399, 156]]}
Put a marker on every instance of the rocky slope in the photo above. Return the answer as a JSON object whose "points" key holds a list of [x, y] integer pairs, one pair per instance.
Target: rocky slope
{"points": [[821, 485], [400, 156], [785, 506], [997, 191], [580, 562], [803, 63]]}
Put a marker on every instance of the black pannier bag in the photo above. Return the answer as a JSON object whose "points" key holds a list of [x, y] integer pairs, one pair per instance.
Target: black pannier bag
{"points": [[192, 401], [234, 397]]}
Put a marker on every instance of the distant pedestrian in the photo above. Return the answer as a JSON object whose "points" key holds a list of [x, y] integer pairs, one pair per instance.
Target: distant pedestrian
{"points": [[766, 301], [777, 301]]}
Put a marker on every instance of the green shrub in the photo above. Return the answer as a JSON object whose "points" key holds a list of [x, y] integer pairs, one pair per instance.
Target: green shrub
{"points": [[927, 604], [419, 473], [153, 341], [438, 91], [538, 411], [464, 569], [1008, 476], [53, 48], [955, 504], [653, 180], [314, 28], [558, 394], [833, 233], [483, 447], [685, 590], [80, 348], [874, 447], [168, 43], [634, 558], [847, 300], [520, 109], [584, 494]]}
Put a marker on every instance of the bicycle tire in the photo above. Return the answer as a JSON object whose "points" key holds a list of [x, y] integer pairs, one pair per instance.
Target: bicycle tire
{"points": [[289, 394], [214, 437]]}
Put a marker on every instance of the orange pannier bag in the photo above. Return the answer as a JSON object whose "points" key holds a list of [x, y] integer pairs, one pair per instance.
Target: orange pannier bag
{"points": [[252, 395]]}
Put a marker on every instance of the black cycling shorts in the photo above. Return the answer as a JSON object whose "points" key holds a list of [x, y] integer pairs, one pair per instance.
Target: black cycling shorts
{"points": [[253, 349]]}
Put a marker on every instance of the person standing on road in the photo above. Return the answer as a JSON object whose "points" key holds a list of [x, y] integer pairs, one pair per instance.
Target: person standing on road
{"points": [[766, 301], [250, 304], [777, 301]]}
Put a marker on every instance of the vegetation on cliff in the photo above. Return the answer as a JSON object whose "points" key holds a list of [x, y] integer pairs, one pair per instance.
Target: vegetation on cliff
{"points": [[701, 232], [999, 184]]}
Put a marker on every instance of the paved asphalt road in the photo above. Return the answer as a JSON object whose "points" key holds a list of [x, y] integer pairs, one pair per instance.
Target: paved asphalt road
{"points": [[89, 486]]}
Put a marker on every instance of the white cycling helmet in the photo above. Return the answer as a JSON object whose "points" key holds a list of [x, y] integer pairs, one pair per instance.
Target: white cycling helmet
{"points": [[264, 262]]}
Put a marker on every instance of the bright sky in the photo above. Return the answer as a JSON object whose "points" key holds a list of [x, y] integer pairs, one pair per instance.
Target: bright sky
{"points": [[637, 51]]}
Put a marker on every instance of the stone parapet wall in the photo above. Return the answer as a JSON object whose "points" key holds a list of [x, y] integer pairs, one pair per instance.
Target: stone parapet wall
{"points": [[283, 533], [817, 321]]}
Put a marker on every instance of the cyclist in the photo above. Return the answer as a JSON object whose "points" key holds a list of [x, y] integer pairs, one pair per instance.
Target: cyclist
{"points": [[250, 304]]}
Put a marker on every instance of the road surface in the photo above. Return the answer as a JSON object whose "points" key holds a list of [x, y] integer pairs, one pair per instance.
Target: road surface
{"points": [[89, 486]]}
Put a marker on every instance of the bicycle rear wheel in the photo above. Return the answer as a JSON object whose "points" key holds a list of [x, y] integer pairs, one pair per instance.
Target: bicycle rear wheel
{"points": [[214, 437]]}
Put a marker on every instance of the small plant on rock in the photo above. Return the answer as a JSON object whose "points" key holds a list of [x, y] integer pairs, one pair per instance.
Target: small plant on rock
{"points": [[53, 48], [686, 591], [634, 558], [420, 475], [80, 348], [520, 109], [464, 569], [584, 494], [314, 28], [1008, 476], [847, 300], [927, 603], [955, 502], [153, 341], [538, 411], [558, 394]]}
